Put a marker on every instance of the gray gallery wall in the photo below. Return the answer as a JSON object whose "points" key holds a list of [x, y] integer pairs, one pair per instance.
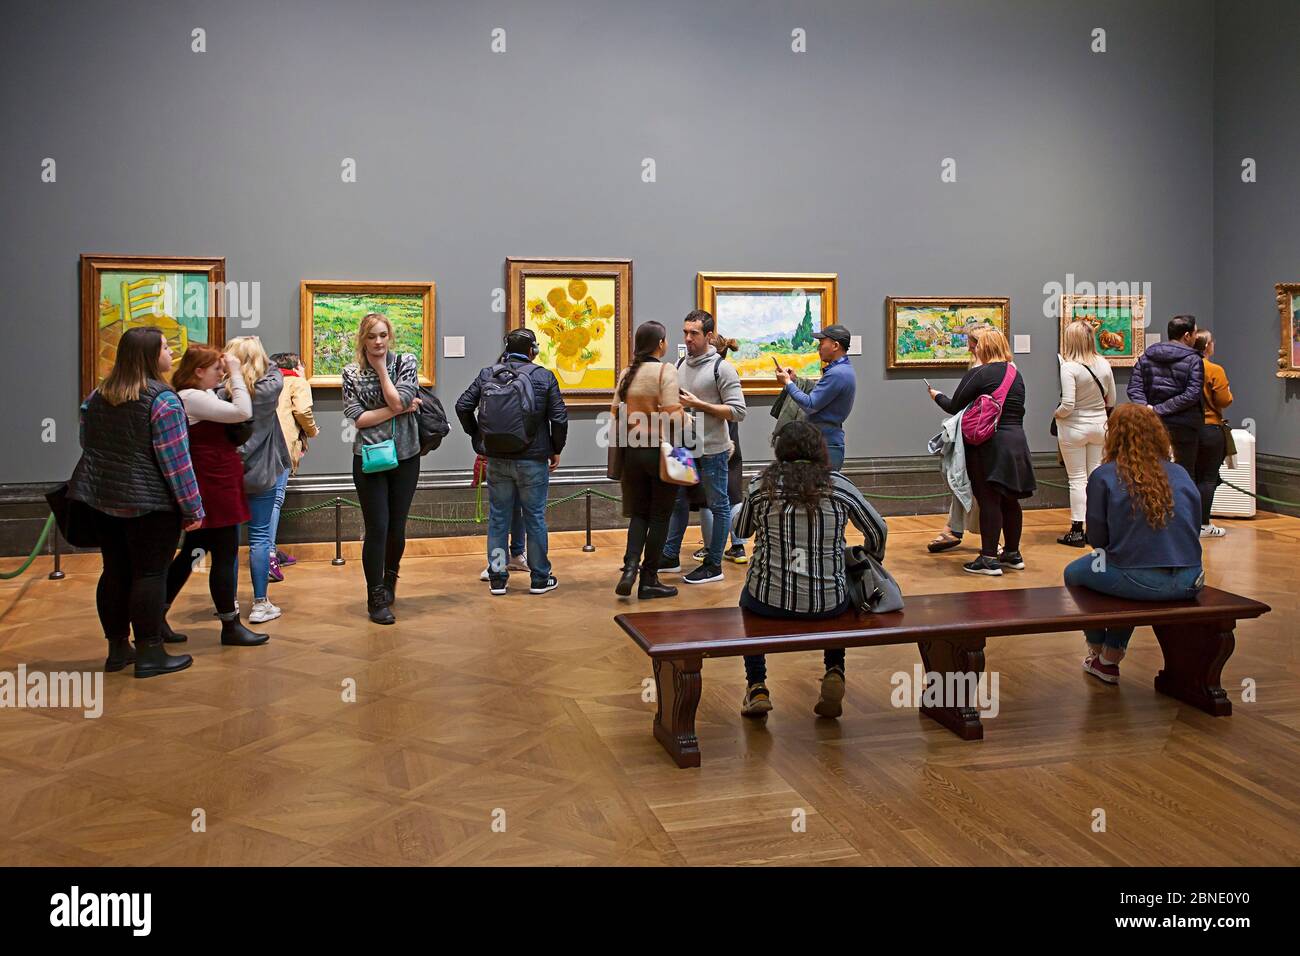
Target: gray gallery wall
{"points": [[1257, 99], [1068, 162]]}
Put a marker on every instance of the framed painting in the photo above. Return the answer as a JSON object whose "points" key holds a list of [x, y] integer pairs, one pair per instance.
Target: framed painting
{"points": [[331, 309], [1288, 307], [182, 295], [1118, 324], [772, 316], [933, 332], [581, 312]]}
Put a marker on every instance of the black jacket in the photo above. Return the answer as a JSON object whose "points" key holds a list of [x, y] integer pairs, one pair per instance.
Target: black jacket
{"points": [[118, 468], [552, 422], [1168, 377]]}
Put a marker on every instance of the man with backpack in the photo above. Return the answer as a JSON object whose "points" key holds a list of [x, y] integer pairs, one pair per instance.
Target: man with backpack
{"points": [[710, 386], [515, 416]]}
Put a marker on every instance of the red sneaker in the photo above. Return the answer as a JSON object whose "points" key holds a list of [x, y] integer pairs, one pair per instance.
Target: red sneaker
{"points": [[1102, 670]]}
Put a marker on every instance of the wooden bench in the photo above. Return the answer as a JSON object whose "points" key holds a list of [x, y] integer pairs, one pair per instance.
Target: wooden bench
{"points": [[950, 629]]}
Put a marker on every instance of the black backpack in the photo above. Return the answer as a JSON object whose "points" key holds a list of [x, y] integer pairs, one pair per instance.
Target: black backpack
{"points": [[432, 421], [507, 408]]}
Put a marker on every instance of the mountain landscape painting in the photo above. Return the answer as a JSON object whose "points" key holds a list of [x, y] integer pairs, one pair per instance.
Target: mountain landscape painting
{"points": [[771, 326]]}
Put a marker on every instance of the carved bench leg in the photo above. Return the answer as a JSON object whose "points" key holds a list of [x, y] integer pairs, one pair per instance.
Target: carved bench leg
{"points": [[677, 688], [965, 656], [1194, 659]]}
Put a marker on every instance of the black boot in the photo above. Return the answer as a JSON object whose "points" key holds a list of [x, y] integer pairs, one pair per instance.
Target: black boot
{"points": [[120, 653], [377, 605], [1075, 537], [390, 587], [651, 588], [624, 586], [152, 659], [168, 635], [234, 634]]}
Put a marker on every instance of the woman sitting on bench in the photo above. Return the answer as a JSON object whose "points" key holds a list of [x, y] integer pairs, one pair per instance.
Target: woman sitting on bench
{"points": [[1144, 517], [797, 511]]}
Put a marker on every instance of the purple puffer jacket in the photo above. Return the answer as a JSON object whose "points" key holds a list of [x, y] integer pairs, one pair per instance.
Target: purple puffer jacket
{"points": [[1168, 377]]}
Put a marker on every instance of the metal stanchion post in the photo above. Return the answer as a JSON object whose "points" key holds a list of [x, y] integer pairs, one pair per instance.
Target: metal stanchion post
{"points": [[57, 574], [338, 534], [588, 547]]}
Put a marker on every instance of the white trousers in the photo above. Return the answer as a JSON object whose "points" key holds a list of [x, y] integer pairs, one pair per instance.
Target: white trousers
{"points": [[1082, 443]]}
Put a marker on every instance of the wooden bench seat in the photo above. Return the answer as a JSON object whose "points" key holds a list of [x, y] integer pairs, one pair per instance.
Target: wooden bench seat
{"points": [[950, 630]]}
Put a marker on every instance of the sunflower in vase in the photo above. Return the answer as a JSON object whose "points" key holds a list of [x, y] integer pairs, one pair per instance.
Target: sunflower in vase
{"points": [[573, 325]]}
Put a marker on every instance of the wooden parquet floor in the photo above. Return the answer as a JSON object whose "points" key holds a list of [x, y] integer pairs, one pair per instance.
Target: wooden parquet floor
{"points": [[513, 730]]}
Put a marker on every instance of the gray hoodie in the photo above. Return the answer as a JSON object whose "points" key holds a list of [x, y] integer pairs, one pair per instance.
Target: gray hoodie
{"points": [[696, 374]]}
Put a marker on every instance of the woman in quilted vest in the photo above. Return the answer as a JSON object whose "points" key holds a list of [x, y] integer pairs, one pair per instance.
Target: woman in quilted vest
{"points": [[136, 476], [1001, 470], [220, 473]]}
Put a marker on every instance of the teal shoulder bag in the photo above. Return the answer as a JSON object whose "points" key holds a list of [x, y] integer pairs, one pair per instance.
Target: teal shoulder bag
{"points": [[381, 456]]}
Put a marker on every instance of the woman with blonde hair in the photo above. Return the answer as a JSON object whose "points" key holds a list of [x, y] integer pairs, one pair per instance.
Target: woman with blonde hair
{"points": [[1001, 470], [220, 473], [266, 462], [379, 397], [1087, 397], [137, 479], [1144, 511]]}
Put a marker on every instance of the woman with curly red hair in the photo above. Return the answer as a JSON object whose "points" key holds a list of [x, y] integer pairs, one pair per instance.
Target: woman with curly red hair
{"points": [[1144, 515]]}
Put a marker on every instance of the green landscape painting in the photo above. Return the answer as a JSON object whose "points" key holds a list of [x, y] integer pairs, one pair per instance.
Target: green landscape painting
{"points": [[336, 315]]}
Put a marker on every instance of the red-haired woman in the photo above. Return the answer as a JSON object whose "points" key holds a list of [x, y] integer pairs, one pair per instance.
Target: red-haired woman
{"points": [[220, 472], [1144, 515]]}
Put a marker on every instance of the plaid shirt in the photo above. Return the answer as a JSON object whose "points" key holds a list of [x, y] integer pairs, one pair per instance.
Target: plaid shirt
{"points": [[170, 432]]}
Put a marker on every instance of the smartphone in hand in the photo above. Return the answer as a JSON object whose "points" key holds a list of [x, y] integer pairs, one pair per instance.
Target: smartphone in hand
{"points": [[777, 364], [927, 384]]}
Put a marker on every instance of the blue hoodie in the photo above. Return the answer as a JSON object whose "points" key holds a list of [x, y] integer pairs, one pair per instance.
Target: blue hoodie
{"points": [[1168, 377]]}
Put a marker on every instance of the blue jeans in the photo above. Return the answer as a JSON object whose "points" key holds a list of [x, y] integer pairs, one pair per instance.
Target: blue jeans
{"points": [[262, 511], [1136, 584], [713, 478], [280, 487], [836, 455], [706, 524], [517, 484]]}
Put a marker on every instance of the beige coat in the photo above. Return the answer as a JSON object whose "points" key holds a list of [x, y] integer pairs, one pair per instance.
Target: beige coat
{"points": [[296, 419]]}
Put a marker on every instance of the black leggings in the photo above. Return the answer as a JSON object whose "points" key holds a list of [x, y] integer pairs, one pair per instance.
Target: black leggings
{"points": [[1000, 514], [135, 552], [1185, 441], [648, 503], [385, 498], [220, 547], [1210, 452]]}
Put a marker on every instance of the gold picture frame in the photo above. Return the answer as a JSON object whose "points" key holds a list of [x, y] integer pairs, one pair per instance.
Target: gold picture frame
{"points": [[935, 333], [329, 311], [580, 309], [1288, 307], [765, 311], [1118, 321]]}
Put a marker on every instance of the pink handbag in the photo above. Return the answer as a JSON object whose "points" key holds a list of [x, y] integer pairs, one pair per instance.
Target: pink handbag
{"points": [[980, 419]]}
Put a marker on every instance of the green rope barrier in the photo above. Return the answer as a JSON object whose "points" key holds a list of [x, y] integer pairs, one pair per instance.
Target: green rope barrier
{"points": [[40, 546], [479, 516]]}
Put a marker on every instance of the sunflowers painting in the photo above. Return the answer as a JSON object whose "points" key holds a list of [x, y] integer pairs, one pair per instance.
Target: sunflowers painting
{"points": [[581, 315]]}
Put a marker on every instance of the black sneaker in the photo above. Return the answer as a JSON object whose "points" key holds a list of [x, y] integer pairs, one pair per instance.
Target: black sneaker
{"points": [[1073, 538], [541, 586], [1012, 560], [672, 565], [736, 554], [704, 574], [497, 584], [984, 565]]}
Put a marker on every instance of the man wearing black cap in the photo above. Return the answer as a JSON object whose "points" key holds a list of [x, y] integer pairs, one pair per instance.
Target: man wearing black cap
{"points": [[831, 399]]}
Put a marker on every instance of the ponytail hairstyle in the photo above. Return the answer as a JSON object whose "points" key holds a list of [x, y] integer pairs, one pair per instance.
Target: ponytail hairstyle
{"points": [[801, 473], [135, 366], [1136, 441], [1204, 339], [644, 345], [724, 345]]}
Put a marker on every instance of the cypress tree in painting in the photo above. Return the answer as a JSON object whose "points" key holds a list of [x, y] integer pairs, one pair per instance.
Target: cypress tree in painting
{"points": [[803, 334]]}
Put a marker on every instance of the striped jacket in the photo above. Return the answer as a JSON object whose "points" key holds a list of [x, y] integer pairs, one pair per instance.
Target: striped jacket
{"points": [[798, 562]]}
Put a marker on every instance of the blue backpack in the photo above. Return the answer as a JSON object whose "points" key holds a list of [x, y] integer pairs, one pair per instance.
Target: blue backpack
{"points": [[507, 409]]}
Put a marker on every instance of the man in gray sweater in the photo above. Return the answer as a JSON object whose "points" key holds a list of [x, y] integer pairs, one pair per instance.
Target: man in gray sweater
{"points": [[710, 387]]}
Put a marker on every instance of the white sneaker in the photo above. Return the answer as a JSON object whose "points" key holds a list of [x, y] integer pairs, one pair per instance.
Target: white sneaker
{"points": [[518, 563], [1212, 530], [484, 575], [263, 611]]}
